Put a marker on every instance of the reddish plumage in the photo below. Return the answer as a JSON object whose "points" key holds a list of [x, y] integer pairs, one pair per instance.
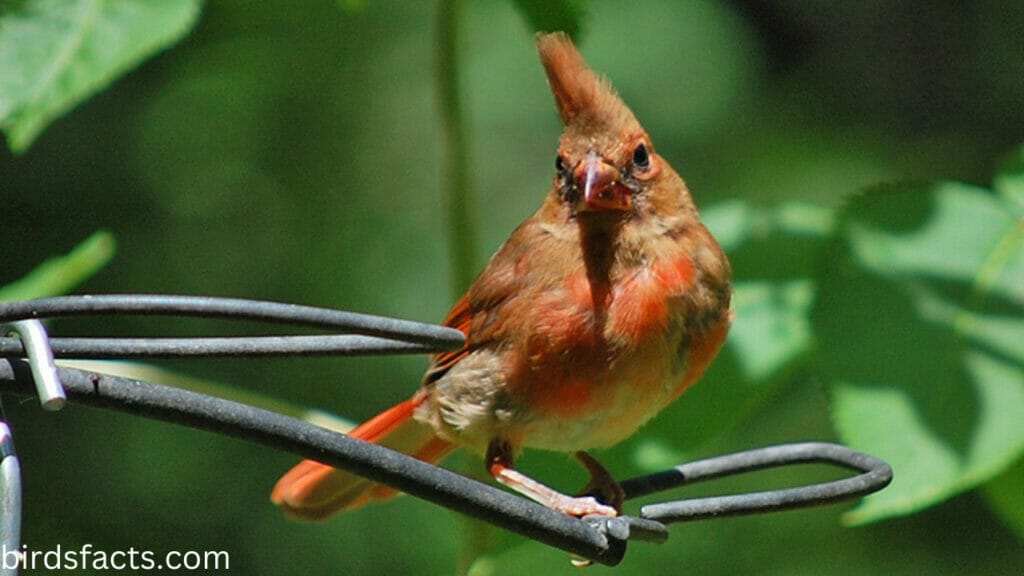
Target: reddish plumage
{"points": [[599, 310]]}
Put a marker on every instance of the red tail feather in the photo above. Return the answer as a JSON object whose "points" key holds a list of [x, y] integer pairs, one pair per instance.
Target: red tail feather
{"points": [[314, 491]]}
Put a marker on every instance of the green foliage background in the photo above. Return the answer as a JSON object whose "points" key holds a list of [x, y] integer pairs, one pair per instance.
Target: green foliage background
{"points": [[300, 151]]}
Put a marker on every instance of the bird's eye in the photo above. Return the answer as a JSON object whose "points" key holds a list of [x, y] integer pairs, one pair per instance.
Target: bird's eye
{"points": [[641, 158], [560, 164]]}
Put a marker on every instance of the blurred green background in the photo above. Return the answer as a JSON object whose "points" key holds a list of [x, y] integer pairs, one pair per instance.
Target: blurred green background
{"points": [[292, 151]]}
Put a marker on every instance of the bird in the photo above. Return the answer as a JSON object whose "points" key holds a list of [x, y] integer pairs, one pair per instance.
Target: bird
{"points": [[598, 311]]}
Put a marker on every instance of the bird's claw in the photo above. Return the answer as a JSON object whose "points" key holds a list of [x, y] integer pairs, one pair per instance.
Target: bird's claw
{"points": [[581, 506]]}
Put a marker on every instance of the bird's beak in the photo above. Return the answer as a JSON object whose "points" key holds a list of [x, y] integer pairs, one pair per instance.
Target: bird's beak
{"points": [[602, 189]]}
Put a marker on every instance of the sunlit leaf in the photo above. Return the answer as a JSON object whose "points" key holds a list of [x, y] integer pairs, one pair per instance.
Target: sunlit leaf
{"points": [[920, 320], [61, 274], [772, 326], [55, 53]]}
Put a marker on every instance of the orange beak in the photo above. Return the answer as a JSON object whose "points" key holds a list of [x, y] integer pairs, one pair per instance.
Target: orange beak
{"points": [[601, 187]]}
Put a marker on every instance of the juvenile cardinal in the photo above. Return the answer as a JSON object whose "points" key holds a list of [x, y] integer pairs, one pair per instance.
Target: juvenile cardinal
{"points": [[600, 310]]}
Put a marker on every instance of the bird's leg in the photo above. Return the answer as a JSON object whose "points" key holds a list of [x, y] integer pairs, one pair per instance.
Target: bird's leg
{"points": [[499, 464], [601, 485]]}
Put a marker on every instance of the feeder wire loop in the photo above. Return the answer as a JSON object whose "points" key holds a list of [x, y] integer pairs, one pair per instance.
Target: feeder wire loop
{"points": [[362, 333], [874, 474], [595, 538]]}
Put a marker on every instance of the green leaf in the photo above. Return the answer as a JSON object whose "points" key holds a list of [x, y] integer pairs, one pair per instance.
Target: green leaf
{"points": [[772, 326], [56, 53], [771, 300], [59, 275], [920, 323], [772, 291], [552, 15]]}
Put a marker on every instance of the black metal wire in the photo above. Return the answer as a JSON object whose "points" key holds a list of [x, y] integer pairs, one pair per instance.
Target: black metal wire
{"points": [[440, 337], [597, 538], [10, 488], [243, 347], [372, 334], [33, 337], [874, 475]]}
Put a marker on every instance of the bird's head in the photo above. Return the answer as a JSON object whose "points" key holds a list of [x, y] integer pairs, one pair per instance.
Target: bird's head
{"points": [[605, 162]]}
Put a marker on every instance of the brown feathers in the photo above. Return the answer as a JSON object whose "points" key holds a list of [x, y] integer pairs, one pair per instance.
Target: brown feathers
{"points": [[586, 101]]}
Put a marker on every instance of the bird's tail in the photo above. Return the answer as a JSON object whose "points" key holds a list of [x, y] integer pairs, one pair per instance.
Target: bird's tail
{"points": [[315, 491]]}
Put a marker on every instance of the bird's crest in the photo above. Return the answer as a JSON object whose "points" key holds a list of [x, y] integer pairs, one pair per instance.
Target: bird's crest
{"points": [[586, 101]]}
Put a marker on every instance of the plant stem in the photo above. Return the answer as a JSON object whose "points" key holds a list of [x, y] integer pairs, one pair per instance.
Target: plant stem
{"points": [[455, 160], [475, 537]]}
